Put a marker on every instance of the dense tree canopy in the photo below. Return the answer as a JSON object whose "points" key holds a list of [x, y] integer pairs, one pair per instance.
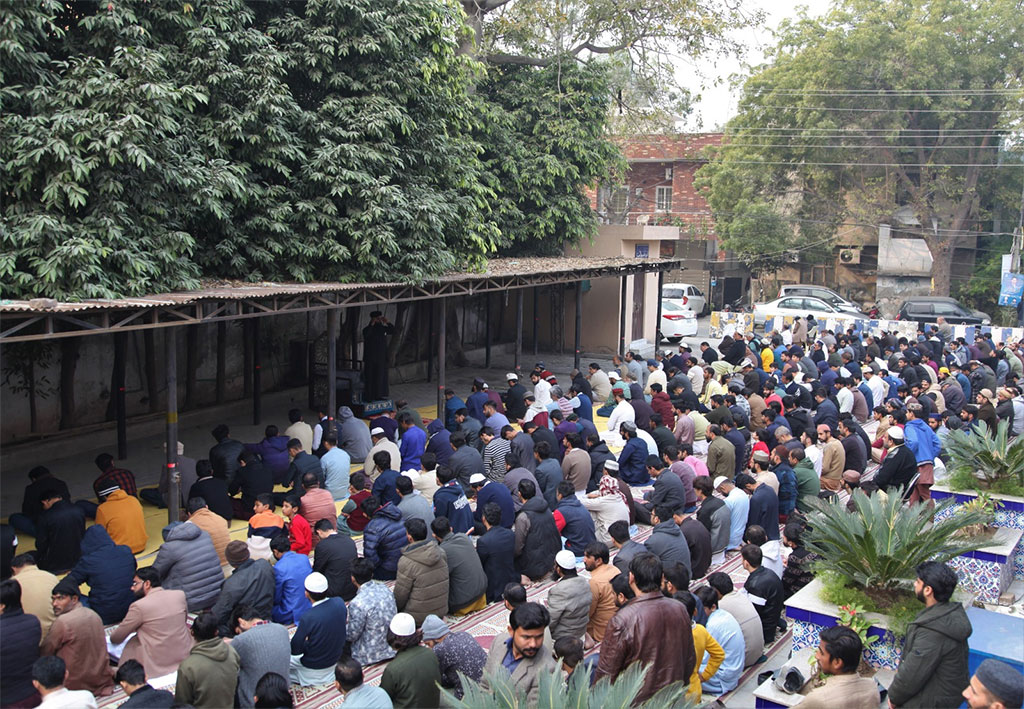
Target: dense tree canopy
{"points": [[146, 144], [872, 107]]}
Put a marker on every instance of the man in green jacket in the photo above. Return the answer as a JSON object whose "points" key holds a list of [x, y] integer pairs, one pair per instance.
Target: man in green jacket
{"points": [[933, 667], [808, 484], [207, 677], [413, 677]]}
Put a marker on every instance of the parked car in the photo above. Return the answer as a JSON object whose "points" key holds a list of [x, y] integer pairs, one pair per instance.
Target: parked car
{"points": [[686, 295], [822, 293], [794, 305], [677, 322], [928, 308]]}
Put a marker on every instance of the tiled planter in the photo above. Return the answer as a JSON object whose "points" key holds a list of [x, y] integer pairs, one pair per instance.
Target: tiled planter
{"points": [[809, 615], [1010, 515], [988, 572]]}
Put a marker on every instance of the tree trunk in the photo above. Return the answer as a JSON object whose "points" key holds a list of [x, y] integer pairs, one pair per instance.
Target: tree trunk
{"points": [[942, 263], [68, 361]]}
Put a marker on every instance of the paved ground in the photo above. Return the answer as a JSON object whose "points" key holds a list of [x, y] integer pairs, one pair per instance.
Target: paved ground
{"points": [[70, 456]]}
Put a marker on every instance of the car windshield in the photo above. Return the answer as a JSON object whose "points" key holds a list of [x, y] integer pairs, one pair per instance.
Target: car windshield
{"points": [[671, 306], [672, 293]]}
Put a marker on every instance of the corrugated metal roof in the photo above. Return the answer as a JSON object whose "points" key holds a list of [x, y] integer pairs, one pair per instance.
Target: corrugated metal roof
{"points": [[241, 290]]}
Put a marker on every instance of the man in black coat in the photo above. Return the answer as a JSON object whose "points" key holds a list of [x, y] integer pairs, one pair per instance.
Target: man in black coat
{"points": [[514, 398], [764, 588], [60, 531], [253, 479], [333, 558], [32, 504], [900, 464], [375, 357], [543, 433], [224, 455], [22, 634], [212, 489], [496, 549]]}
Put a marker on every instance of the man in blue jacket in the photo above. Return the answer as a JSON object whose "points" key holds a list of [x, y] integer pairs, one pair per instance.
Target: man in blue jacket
{"points": [[489, 491], [573, 520], [450, 501], [383, 538], [924, 444], [108, 568], [290, 573], [319, 641], [414, 442], [633, 458]]}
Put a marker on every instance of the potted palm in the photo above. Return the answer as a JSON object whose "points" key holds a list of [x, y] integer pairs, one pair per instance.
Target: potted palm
{"points": [[868, 561]]}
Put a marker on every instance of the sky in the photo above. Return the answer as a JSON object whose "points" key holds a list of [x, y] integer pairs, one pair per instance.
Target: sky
{"points": [[718, 100]]}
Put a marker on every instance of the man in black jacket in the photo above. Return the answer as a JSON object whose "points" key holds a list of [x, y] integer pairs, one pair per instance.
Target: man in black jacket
{"points": [[900, 464], [32, 505], [60, 531], [764, 588], [224, 455], [496, 549], [334, 556]]}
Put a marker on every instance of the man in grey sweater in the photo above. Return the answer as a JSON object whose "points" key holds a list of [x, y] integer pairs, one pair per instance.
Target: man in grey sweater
{"points": [[569, 599], [262, 647]]}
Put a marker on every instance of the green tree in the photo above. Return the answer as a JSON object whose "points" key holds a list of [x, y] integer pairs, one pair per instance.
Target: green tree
{"points": [[544, 136], [642, 39], [876, 106], [147, 144]]}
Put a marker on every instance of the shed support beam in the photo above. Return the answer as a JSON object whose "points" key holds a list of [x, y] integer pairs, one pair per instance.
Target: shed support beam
{"points": [[579, 324], [173, 476]]}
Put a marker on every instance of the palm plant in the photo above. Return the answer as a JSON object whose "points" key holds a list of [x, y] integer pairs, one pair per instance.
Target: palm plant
{"points": [[880, 544], [555, 693], [999, 458]]}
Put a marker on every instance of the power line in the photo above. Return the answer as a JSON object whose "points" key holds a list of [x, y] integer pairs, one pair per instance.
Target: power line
{"points": [[802, 163], [891, 92], [840, 129], [908, 109]]}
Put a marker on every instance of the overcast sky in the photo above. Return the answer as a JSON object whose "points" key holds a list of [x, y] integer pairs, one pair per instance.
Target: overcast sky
{"points": [[718, 102]]}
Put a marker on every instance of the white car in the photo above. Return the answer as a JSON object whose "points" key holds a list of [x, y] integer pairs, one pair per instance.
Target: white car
{"points": [[677, 322], [800, 305], [685, 295]]}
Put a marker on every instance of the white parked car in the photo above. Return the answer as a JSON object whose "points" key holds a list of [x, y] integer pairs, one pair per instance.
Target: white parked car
{"points": [[677, 322], [685, 295], [800, 305]]}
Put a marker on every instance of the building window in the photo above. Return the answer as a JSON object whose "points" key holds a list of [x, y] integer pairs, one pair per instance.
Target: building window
{"points": [[663, 199]]}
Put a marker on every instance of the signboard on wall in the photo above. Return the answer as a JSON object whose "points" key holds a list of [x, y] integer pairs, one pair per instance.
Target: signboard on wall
{"points": [[642, 251]]}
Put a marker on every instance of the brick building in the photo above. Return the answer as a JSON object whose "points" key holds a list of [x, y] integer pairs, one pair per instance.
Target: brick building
{"points": [[658, 190]]}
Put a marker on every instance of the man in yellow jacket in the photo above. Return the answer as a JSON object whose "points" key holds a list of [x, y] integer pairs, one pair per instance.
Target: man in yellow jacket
{"points": [[121, 515]]}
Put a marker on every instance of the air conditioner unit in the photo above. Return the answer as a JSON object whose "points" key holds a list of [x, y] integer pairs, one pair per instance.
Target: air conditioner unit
{"points": [[668, 173], [638, 191], [849, 257]]}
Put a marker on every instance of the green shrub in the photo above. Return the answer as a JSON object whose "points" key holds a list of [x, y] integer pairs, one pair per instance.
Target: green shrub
{"points": [[879, 544]]}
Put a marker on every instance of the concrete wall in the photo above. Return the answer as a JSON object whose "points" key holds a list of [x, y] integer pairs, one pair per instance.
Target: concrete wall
{"points": [[601, 304]]}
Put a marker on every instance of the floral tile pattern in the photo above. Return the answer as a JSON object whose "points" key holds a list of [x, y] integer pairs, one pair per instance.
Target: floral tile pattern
{"points": [[883, 654]]}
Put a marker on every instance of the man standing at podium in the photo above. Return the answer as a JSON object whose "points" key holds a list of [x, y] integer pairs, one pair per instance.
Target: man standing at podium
{"points": [[375, 356]]}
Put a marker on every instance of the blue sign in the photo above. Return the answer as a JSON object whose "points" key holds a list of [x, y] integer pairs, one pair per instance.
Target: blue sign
{"points": [[643, 251], [1012, 289]]}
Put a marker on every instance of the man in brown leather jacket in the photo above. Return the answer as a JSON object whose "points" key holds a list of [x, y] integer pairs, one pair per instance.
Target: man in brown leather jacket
{"points": [[649, 628]]}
